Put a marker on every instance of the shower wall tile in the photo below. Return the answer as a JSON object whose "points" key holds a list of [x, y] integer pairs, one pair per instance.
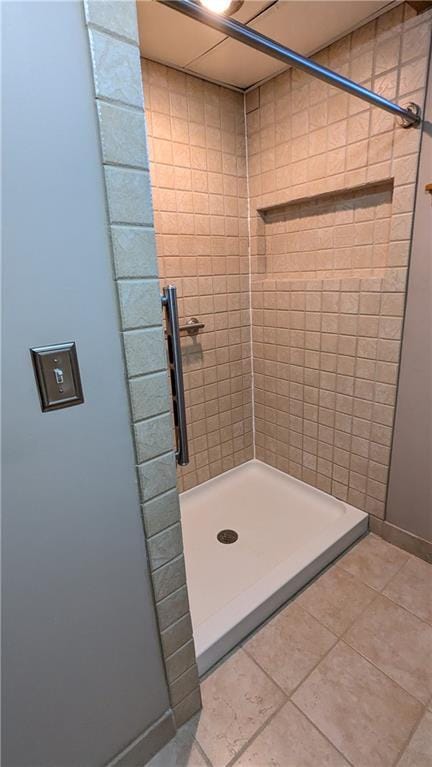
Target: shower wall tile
{"points": [[332, 184], [161, 512], [144, 350], [180, 661], [198, 172], [140, 303], [129, 196], [157, 476], [115, 68], [184, 685], [119, 101], [165, 546], [169, 578], [122, 135], [173, 607], [110, 16], [134, 251], [177, 635], [149, 396], [153, 436]]}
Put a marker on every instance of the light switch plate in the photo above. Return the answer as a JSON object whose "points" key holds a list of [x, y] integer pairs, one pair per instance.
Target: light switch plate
{"points": [[57, 376]]}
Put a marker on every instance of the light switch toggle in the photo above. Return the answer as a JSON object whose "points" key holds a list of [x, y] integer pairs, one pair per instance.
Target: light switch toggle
{"points": [[57, 376]]}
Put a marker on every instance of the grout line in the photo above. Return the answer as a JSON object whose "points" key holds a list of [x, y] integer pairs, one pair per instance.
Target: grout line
{"points": [[250, 279], [315, 726], [411, 736], [266, 673], [260, 729], [378, 668]]}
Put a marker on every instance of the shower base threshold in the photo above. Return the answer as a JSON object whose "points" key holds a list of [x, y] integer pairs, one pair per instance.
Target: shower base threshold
{"points": [[287, 533]]}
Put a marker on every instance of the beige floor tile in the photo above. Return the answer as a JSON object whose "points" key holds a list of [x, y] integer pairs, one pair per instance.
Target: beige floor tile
{"points": [[238, 698], [290, 740], [419, 750], [289, 646], [336, 599], [398, 643], [181, 751], [361, 711], [374, 561], [412, 588]]}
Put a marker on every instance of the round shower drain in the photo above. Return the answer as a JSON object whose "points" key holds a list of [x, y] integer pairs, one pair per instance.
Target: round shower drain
{"points": [[227, 536]]}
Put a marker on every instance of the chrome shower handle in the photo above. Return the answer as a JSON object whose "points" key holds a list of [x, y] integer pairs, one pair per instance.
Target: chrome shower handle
{"points": [[169, 302]]}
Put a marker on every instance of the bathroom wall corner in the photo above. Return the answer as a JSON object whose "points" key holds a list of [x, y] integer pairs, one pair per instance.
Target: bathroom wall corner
{"points": [[113, 38]]}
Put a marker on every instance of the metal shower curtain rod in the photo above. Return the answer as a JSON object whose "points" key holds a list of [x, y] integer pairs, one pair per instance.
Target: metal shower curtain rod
{"points": [[408, 116]]}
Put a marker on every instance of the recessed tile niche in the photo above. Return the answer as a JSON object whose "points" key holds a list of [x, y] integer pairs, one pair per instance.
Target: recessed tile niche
{"points": [[344, 233]]}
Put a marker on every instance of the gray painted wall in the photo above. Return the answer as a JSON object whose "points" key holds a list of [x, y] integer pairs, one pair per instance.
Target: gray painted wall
{"points": [[409, 503], [82, 673]]}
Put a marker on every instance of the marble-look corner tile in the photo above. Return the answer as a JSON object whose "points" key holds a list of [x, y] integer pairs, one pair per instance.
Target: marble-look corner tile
{"points": [[134, 251], [358, 708], [308, 642], [157, 476], [149, 396], [180, 661], [412, 588], [129, 196], [145, 351], [336, 598], [140, 303], [187, 708], [290, 740], [117, 69], [165, 546], [398, 643], [238, 698], [176, 636], [114, 16], [184, 685], [153, 437], [173, 607], [374, 561], [418, 753], [169, 578], [122, 135], [161, 512]]}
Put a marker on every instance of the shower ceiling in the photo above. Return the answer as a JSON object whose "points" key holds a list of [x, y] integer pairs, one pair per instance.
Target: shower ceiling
{"points": [[168, 37]]}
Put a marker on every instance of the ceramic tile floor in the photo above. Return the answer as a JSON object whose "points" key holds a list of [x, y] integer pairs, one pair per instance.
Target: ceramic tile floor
{"points": [[340, 676]]}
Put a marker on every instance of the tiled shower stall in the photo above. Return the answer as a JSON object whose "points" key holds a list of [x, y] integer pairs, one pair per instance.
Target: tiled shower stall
{"points": [[284, 217]]}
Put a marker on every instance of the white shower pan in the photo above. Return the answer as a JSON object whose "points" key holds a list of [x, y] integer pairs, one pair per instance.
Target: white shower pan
{"points": [[287, 532]]}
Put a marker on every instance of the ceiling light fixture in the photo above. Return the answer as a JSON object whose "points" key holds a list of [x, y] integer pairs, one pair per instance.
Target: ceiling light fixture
{"points": [[223, 7]]}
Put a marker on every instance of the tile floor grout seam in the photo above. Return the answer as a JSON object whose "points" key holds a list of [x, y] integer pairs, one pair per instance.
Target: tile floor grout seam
{"points": [[410, 737], [201, 750], [269, 677], [338, 639], [374, 665], [260, 729], [321, 732], [407, 610], [338, 636]]}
